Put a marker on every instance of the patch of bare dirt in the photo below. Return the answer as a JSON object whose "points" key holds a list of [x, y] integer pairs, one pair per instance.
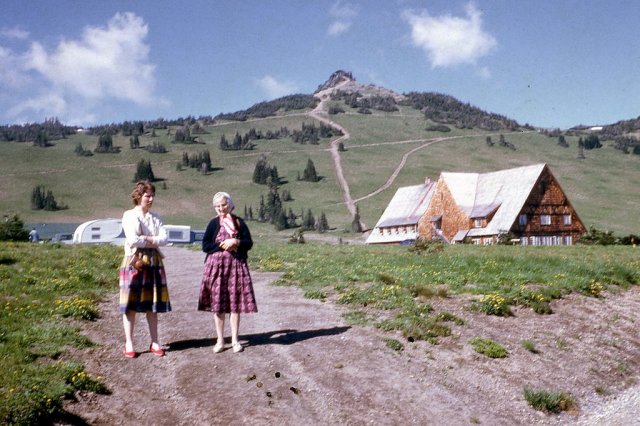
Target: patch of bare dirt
{"points": [[304, 365]]}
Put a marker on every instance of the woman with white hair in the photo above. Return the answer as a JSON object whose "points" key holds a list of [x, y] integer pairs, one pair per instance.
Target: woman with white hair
{"points": [[226, 286]]}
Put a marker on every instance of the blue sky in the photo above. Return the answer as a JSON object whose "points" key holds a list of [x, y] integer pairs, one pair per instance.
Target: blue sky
{"points": [[549, 63]]}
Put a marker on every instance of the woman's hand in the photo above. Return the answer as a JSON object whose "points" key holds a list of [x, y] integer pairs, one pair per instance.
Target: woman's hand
{"points": [[230, 244]]}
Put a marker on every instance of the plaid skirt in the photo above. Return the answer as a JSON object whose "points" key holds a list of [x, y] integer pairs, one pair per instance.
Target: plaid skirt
{"points": [[226, 285], [144, 290]]}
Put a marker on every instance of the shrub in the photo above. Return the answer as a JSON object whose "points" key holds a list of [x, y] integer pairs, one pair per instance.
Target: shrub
{"points": [[489, 348], [393, 344], [12, 229], [530, 346], [494, 304], [548, 401]]}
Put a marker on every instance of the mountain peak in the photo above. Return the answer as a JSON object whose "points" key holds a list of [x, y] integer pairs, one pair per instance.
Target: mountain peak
{"points": [[335, 79]]}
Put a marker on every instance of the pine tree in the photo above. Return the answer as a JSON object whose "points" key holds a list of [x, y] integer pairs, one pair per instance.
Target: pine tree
{"points": [[280, 220], [355, 224], [144, 171], [309, 173], [262, 210], [323, 224], [309, 222]]}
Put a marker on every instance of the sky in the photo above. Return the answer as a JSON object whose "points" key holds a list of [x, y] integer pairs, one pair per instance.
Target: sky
{"points": [[547, 63]]}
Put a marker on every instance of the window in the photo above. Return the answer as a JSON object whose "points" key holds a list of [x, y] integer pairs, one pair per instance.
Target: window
{"points": [[95, 236], [566, 219], [545, 219], [477, 223], [175, 235], [95, 228], [522, 219]]}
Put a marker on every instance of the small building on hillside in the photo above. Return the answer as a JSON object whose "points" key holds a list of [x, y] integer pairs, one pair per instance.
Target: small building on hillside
{"points": [[525, 203], [399, 222]]}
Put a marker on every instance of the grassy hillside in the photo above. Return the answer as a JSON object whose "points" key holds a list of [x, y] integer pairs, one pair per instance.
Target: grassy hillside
{"points": [[601, 187]]}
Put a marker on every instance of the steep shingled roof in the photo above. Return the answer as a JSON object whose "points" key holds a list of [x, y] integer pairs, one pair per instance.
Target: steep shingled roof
{"points": [[504, 191], [405, 208]]}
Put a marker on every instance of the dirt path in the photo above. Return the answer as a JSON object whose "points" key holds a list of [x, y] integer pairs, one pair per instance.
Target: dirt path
{"points": [[303, 364]]}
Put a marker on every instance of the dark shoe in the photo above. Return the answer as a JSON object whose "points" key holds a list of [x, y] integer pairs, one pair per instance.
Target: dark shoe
{"points": [[132, 354], [157, 352]]}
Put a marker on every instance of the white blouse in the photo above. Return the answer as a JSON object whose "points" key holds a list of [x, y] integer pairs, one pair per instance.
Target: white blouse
{"points": [[136, 224]]}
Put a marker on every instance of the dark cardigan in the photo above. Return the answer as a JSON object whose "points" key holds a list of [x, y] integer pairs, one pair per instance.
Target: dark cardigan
{"points": [[209, 244]]}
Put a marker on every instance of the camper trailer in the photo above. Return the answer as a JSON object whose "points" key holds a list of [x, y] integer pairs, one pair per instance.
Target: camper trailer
{"points": [[178, 234], [100, 231], [109, 231]]}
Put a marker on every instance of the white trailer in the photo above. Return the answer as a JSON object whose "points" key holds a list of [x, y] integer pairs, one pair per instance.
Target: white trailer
{"points": [[100, 231], [109, 231]]}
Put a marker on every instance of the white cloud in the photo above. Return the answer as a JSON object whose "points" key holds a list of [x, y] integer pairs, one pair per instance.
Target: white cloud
{"points": [[342, 15], [449, 40], [107, 62], [274, 88], [11, 76], [78, 78], [15, 33]]}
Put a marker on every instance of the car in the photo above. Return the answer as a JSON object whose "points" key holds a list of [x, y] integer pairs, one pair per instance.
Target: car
{"points": [[62, 238]]}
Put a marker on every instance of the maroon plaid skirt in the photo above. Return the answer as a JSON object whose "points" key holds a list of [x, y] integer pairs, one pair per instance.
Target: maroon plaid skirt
{"points": [[226, 285]]}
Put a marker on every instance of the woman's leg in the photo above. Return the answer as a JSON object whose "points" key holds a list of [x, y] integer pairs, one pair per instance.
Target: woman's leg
{"points": [[128, 321], [234, 320], [219, 321], [152, 320]]}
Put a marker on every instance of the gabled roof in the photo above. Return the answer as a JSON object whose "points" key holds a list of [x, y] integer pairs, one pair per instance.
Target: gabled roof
{"points": [[405, 208], [505, 191]]}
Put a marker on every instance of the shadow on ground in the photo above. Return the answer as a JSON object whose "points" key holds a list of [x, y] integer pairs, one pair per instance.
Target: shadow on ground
{"points": [[278, 337]]}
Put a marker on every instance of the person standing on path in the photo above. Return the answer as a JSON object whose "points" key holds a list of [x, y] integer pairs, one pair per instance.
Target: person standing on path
{"points": [[143, 283], [226, 286]]}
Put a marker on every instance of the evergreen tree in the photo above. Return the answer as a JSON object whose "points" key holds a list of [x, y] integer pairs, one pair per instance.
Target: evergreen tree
{"points": [[355, 224], [309, 222], [144, 171], [134, 142], [280, 221], [291, 219], [262, 210], [309, 173], [562, 141], [581, 149], [37, 198], [12, 229], [323, 224]]}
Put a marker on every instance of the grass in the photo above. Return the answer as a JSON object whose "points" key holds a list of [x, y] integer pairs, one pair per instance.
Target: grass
{"points": [[489, 348], [45, 290], [548, 401], [598, 186], [530, 346], [397, 284]]}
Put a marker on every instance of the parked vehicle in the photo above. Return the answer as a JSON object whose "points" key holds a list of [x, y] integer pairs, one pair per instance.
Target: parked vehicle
{"points": [[100, 231], [109, 231], [62, 238]]}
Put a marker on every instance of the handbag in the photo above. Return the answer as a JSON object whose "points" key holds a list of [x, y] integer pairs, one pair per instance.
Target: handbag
{"points": [[140, 261]]}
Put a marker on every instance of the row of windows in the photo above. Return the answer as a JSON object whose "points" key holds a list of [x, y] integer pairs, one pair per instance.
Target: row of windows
{"points": [[565, 240], [398, 229], [545, 219]]}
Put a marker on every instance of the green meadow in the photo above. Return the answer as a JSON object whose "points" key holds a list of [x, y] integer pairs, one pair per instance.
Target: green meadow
{"points": [[602, 187], [48, 291]]}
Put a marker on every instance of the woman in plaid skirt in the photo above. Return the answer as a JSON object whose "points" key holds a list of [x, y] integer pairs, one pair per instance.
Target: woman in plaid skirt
{"points": [[143, 283], [226, 283]]}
